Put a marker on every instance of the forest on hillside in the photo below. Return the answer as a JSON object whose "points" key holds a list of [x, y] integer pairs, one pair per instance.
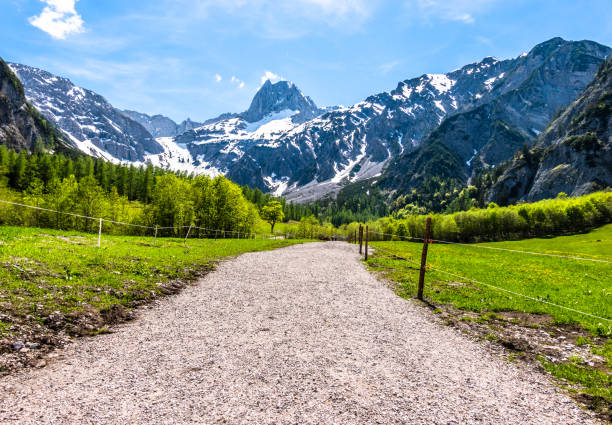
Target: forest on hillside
{"points": [[145, 196]]}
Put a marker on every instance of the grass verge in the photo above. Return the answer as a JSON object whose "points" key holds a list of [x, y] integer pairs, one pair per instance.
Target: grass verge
{"points": [[574, 348]]}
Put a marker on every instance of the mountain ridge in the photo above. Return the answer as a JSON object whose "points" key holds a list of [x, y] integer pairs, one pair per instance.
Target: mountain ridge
{"points": [[573, 155], [90, 122], [159, 125], [548, 78]]}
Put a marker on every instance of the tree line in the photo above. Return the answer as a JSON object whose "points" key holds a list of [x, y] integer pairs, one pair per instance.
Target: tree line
{"points": [[562, 215]]}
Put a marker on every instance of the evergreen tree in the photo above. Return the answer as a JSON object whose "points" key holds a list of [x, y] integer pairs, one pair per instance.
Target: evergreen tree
{"points": [[18, 176]]}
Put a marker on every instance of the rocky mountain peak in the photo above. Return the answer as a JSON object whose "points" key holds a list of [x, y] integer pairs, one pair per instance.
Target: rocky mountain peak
{"points": [[187, 125], [276, 97], [548, 46]]}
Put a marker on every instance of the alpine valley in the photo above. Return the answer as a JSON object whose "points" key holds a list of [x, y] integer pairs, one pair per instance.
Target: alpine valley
{"points": [[435, 132]]}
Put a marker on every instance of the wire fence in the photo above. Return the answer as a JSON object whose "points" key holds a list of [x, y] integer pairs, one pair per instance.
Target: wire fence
{"points": [[159, 231], [414, 239], [498, 288], [428, 266]]}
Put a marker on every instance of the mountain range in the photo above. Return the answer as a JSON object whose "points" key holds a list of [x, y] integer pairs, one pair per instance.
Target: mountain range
{"points": [[436, 126], [521, 103], [161, 126], [90, 122]]}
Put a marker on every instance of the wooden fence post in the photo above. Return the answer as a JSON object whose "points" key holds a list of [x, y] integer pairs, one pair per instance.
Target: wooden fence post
{"points": [[100, 233], [360, 239], [155, 238], [188, 230], [367, 232], [424, 259]]}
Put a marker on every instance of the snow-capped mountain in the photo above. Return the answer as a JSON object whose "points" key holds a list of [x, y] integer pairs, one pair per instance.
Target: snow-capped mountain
{"points": [[161, 126], [287, 145], [214, 147], [350, 144], [277, 98], [90, 122]]}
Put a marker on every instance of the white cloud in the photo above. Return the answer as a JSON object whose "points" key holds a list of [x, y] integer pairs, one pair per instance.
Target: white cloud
{"points": [[59, 19], [237, 81], [269, 75], [450, 10], [218, 78]]}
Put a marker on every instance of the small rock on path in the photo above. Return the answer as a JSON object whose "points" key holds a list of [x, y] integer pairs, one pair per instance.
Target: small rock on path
{"points": [[299, 335]]}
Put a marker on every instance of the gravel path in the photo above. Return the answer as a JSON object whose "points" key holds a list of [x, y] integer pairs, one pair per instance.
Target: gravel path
{"points": [[299, 335]]}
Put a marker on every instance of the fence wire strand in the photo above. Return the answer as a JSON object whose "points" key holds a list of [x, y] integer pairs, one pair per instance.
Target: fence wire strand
{"points": [[217, 231], [497, 287], [569, 257]]}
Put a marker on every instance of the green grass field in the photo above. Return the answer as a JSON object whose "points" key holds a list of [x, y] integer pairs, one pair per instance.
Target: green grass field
{"points": [[580, 285], [42, 270]]}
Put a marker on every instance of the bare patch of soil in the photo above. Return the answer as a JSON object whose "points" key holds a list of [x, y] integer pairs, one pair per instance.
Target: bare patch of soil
{"points": [[27, 341]]}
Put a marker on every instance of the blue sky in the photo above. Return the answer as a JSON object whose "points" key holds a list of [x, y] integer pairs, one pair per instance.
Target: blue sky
{"points": [[200, 58]]}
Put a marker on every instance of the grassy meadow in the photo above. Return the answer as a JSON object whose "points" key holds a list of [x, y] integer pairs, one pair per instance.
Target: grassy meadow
{"points": [[580, 285]]}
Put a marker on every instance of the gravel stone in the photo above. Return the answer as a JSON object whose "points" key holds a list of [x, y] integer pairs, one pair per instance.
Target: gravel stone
{"points": [[18, 345], [298, 335]]}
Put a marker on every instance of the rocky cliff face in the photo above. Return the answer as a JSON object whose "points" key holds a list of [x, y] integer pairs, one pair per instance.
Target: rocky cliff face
{"points": [[521, 102], [89, 121], [573, 155], [21, 125]]}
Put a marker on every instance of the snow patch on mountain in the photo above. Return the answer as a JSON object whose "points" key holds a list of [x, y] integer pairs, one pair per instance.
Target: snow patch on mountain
{"points": [[177, 157], [89, 148], [277, 186], [439, 105], [441, 82], [272, 125]]}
